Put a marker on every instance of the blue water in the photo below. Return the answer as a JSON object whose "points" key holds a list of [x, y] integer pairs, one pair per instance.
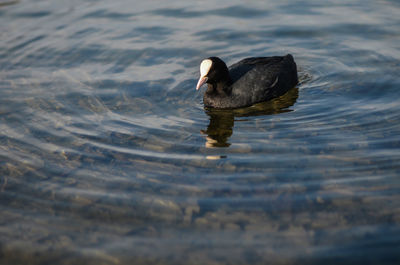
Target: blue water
{"points": [[107, 155]]}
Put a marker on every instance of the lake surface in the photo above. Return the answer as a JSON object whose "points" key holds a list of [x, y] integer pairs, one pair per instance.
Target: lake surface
{"points": [[107, 155]]}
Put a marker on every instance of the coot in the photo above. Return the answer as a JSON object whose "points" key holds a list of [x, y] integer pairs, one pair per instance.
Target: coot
{"points": [[249, 81]]}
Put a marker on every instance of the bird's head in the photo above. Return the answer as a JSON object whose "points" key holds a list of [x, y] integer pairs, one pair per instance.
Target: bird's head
{"points": [[212, 71]]}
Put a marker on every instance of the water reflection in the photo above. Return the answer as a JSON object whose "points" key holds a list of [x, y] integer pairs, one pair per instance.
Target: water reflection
{"points": [[221, 123]]}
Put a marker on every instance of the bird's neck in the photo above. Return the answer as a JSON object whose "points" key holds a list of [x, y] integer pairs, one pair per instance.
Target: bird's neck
{"points": [[222, 88]]}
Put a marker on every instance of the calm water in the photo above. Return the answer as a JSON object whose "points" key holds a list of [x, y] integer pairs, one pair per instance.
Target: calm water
{"points": [[107, 155]]}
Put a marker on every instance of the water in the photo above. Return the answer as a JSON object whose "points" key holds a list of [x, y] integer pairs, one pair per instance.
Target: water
{"points": [[107, 155]]}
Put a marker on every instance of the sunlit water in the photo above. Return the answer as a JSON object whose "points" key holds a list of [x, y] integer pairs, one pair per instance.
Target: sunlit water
{"points": [[107, 155]]}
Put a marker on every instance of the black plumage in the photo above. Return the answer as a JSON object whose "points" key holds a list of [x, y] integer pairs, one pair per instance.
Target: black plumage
{"points": [[249, 81]]}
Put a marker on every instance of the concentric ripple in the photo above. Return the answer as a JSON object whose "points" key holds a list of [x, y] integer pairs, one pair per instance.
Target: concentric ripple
{"points": [[107, 155]]}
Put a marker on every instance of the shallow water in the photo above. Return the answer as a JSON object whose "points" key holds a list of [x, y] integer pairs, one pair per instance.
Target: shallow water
{"points": [[107, 155]]}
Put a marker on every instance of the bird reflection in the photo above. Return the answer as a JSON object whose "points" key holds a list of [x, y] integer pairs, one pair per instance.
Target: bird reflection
{"points": [[222, 121]]}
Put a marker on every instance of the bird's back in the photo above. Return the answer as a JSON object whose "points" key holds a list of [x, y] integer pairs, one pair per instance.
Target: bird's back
{"points": [[259, 79]]}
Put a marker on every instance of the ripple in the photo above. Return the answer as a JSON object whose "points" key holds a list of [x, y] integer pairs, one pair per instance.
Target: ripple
{"points": [[37, 14], [103, 13], [108, 154]]}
